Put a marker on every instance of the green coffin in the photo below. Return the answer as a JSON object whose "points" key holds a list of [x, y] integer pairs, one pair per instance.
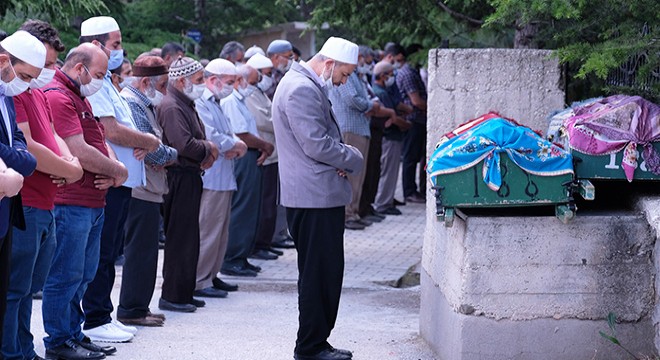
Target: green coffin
{"points": [[466, 189], [609, 166]]}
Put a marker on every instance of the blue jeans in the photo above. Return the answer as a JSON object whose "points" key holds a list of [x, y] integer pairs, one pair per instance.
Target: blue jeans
{"points": [[74, 266], [31, 255]]}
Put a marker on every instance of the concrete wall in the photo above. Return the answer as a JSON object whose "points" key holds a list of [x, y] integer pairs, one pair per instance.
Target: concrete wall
{"points": [[532, 287], [517, 83], [528, 288]]}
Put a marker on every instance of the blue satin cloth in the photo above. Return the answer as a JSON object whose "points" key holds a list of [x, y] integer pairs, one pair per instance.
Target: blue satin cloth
{"points": [[487, 140]]}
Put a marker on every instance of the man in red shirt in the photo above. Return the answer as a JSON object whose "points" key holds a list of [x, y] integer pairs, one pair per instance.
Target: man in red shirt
{"points": [[79, 206], [33, 247]]}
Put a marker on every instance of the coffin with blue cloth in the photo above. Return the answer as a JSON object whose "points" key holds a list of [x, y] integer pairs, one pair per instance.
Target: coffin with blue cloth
{"points": [[492, 161]]}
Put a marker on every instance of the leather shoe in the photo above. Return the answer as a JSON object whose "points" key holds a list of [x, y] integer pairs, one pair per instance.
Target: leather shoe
{"points": [[353, 225], [365, 222], [398, 203], [219, 284], [142, 321], [263, 255], [416, 198], [255, 268], [156, 315], [71, 350], [210, 292], [87, 343], [327, 354], [198, 303], [37, 357], [373, 218], [170, 306], [238, 271], [392, 211], [275, 251], [342, 351], [285, 243]]}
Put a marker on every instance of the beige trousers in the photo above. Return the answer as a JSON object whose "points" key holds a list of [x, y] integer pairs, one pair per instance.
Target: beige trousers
{"points": [[356, 180], [213, 235]]}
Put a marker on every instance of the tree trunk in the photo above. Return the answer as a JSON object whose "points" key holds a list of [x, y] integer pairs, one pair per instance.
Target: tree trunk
{"points": [[525, 37], [199, 16]]}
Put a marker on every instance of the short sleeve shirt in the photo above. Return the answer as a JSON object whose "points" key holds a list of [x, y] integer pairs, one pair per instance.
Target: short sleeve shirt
{"points": [[107, 102]]}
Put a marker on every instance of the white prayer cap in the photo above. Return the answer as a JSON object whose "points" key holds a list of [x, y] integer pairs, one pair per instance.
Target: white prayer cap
{"points": [[221, 67], [254, 50], [98, 25], [26, 48], [341, 50], [259, 62]]}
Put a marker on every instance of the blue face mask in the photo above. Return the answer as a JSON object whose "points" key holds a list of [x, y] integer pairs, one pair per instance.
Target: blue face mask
{"points": [[116, 58]]}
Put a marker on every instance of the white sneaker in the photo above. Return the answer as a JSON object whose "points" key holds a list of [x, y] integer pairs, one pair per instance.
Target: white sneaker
{"points": [[125, 328], [108, 333]]}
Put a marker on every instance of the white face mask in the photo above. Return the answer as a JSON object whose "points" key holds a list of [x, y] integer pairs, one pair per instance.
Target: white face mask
{"points": [[363, 69], [154, 96], [90, 88], [194, 91], [265, 83], [16, 86], [127, 81], [222, 92], [327, 83], [44, 78], [285, 67], [397, 65], [246, 91], [390, 81]]}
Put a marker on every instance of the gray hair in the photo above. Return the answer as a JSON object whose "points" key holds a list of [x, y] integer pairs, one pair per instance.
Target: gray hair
{"points": [[320, 58], [231, 49], [365, 51]]}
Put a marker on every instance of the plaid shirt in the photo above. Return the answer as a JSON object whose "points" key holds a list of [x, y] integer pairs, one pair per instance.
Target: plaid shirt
{"points": [[164, 153], [350, 102], [409, 81]]}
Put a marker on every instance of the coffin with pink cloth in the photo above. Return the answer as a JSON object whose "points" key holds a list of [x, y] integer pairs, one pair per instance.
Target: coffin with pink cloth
{"points": [[616, 137]]}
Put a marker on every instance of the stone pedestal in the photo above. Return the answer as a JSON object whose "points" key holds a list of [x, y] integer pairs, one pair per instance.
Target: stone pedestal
{"points": [[534, 288]]}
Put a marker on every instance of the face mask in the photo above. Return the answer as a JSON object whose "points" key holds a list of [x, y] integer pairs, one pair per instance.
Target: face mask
{"points": [[327, 83], [127, 81], [247, 91], [154, 96], [16, 86], [223, 92], [265, 83], [397, 65], [363, 69], [195, 91], [389, 82], [116, 59], [90, 88], [285, 67], [44, 78]]}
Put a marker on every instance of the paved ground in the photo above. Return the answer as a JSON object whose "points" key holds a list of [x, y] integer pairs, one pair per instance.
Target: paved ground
{"points": [[376, 321]]}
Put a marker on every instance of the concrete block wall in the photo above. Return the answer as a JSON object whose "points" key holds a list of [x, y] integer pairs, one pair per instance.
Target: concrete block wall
{"points": [[534, 288], [518, 83]]}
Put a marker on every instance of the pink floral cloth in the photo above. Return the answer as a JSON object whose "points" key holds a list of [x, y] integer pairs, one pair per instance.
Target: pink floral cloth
{"points": [[618, 123]]}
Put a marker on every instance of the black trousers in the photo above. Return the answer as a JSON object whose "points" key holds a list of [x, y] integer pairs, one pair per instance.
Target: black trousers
{"points": [[372, 177], [181, 219], [268, 212], [319, 238], [5, 257], [414, 150], [141, 253]]}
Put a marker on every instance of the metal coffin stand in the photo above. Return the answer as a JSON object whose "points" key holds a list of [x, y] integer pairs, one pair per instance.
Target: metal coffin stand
{"points": [[466, 189]]}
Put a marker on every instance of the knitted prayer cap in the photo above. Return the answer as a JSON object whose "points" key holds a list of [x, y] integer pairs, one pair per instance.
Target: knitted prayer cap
{"points": [[184, 67]]}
